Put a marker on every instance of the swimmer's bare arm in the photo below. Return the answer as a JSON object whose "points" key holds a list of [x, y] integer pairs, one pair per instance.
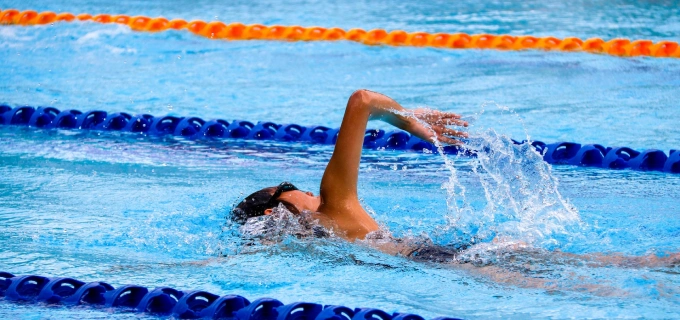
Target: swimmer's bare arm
{"points": [[339, 183]]}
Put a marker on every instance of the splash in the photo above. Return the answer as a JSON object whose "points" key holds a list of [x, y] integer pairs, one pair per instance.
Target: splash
{"points": [[281, 224], [521, 202]]}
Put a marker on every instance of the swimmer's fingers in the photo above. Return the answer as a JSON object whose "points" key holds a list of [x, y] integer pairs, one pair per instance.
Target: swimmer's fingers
{"points": [[446, 135], [452, 133], [442, 115], [449, 141], [451, 122], [434, 114], [434, 117]]}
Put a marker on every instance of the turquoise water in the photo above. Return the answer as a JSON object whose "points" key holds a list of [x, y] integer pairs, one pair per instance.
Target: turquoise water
{"points": [[130, 209]]}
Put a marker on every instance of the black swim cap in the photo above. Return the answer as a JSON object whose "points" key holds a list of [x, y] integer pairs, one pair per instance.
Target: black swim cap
{"points": [[255, 204]]}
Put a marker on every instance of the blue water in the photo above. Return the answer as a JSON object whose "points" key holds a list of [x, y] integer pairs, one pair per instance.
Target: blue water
{"points": [[130, 209]]}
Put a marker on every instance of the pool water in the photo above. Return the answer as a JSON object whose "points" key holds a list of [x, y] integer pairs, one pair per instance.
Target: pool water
{"points": [[151, 211]]}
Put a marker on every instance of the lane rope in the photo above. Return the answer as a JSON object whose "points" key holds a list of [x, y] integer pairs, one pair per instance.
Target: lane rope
{"points": [[237, 31], [570, 153], [166, 301]]}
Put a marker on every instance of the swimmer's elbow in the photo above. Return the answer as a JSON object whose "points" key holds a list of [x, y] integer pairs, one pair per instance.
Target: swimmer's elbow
{"points": [[359, 99]]}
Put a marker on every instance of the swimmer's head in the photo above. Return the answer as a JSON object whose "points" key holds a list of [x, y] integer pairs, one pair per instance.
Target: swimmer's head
{"points": [[263, 201]]}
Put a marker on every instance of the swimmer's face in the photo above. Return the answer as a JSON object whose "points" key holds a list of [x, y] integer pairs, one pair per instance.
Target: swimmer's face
{"points": [[302, 200]]}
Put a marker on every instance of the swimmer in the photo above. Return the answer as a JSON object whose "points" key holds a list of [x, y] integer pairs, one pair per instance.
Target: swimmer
{"points": [[337, 206]]}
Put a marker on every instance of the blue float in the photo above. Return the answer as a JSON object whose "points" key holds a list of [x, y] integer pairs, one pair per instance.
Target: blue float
{"points": [[290, 132], [18, 115], [188, 127], [115, 122], [299, 311], [128, 296], [672, 165], [560, 152], [394, 140], [43, 117], [260, 309], [58, 289], [93, 293], [166, 301], [5, 281], [335, 313], [649, 160], [160, 301], [225, 307], [214, 129], [139, 123], [618, 158], [25, 288], [591, 155], [91, 119], [239, 129], [316, 134], [371, 314], [406, 316], [67, 119], [263, 131], [163, 125]]}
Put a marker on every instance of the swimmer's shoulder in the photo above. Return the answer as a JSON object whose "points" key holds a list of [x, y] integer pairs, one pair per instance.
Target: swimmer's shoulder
{"points": [[351, 219]]}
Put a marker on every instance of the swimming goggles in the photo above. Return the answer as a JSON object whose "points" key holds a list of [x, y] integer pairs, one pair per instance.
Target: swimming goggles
{"points": [[283, 187]]}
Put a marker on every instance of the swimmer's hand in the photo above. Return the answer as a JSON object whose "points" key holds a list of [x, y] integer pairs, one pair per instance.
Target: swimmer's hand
{"points": [[430, 124], [427, 124]]}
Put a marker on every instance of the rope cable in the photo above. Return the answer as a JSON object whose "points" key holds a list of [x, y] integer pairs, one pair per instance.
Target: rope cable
{"points": [[238, 31]]}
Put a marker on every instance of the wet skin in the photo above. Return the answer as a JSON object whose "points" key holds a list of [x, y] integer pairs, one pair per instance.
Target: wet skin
{"points": [[338, 204]]}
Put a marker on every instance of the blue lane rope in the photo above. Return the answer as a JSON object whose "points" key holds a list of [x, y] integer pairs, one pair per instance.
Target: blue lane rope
{"points": [[165, 301], [591, 155]]}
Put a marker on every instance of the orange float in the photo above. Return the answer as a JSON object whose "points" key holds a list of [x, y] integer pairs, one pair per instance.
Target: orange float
{"points": [[8, 16], [210, 30], [525, 42], [295, 33], [548, 43], [102, 18], [460, 41], [418, 39], [67, 17], [594, 45], [482, 41], [314, 33], [375, 36], [45, 18], [440, 40], [355, 35], [334, 34], [275, 32], [25, 17], [639, 48], [664, 49], [196, 26], [396, 38], [84, 17], [177, 24], [253, 31], [571, 44], [122, 19], [616, 47], [158, 24], [504, 42], [139, 23]]}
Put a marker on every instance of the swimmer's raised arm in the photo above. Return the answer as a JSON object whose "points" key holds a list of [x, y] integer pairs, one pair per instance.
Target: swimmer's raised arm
{"points": [[338, 189]]}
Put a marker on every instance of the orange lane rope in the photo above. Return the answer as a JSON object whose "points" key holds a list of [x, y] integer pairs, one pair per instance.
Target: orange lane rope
{"points": [[239, 31]]}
